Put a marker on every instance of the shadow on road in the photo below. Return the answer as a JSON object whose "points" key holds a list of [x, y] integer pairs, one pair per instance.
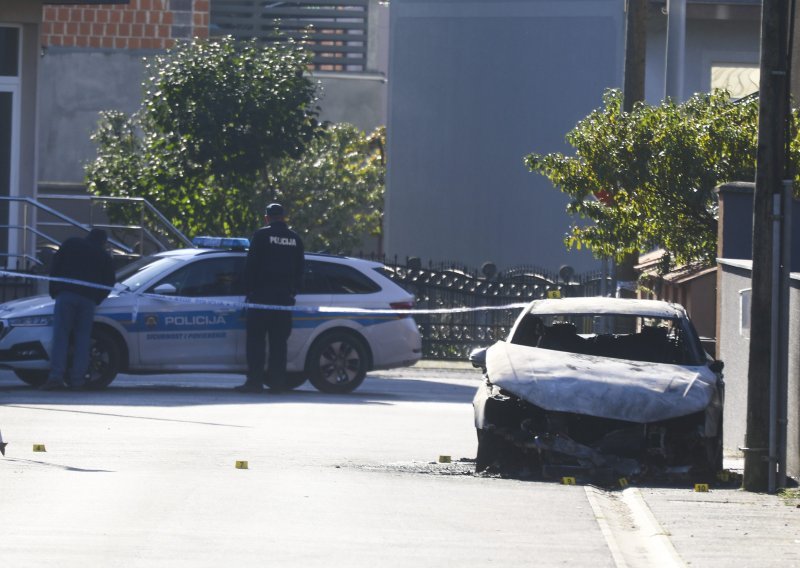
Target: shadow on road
{"points": [[198, 390]]}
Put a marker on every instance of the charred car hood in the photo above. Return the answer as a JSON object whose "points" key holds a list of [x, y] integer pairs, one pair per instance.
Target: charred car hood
{"points": [[600, 386]]}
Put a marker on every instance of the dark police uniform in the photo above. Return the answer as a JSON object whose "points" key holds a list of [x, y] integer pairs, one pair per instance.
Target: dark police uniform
{"points": [[273, 274]]}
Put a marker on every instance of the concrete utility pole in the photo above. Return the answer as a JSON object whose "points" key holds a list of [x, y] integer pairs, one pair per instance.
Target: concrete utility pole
{"points": [[761, 458], [632, 92], [635, 51]]}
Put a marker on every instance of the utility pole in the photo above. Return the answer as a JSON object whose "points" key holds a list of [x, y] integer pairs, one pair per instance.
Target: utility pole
{"points": [[632, 92], [760, 458], [635, 51]]}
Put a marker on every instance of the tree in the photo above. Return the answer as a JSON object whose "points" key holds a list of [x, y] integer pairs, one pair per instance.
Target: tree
{"points": [[334, 191], [215, 114], [646, 178]]}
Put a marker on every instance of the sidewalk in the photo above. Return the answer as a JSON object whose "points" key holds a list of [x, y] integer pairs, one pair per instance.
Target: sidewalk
{"points": [[440, 364]]}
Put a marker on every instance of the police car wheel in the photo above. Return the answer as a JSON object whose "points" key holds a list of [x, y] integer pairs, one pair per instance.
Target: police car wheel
{"points": [[104, 360], [337, 362], [33, 377]]}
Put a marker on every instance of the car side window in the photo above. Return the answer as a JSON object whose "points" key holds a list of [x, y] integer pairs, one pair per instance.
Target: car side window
{"points": [[322, 277], [208, 277]]}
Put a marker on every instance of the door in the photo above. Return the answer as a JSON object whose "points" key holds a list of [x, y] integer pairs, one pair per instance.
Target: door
{"points": [[194, 331]]}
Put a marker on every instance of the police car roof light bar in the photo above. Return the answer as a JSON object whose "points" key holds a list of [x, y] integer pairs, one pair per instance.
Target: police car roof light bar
{"points": [[221, 242]]}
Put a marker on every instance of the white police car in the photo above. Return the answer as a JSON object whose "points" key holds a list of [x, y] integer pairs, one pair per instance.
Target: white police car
{"points": [[180, 311]]}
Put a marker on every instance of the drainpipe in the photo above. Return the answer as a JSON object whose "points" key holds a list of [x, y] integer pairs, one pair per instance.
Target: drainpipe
{"points": [[779, 310], [676, 49]]}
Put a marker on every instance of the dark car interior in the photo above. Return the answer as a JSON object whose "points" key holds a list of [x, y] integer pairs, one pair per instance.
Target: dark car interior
{"points": [[663, 343]]}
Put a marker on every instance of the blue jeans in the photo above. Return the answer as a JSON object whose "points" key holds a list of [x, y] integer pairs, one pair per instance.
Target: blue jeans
{"points": [[73, 317]]}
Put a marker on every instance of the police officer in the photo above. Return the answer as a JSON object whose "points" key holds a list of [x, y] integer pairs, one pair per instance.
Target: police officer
{"points": [[273, 274]]}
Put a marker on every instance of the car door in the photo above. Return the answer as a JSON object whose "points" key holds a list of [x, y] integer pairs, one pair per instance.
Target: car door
{"points": [[195, 331]]}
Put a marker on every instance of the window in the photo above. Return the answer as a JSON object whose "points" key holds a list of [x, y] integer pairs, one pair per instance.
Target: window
{"points": [[210, 277], [9, 52], [331, 278], [739, 79]]}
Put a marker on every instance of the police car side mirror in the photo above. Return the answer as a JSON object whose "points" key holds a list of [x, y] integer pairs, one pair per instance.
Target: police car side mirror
{"points": [[165, 289]]}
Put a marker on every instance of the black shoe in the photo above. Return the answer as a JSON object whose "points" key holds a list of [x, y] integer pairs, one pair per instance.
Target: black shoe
{"points": [[249, 388], [52, 386]]}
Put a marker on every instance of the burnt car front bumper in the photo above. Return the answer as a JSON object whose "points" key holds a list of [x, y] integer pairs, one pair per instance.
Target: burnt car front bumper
{"points": [[518, 438]]}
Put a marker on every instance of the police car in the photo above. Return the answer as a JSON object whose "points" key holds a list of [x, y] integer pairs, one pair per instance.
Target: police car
{"points": [[181, 311]]}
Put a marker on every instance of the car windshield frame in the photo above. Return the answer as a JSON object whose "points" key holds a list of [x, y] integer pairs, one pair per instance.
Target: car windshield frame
{"points": [[147, 271], [587, 325]]}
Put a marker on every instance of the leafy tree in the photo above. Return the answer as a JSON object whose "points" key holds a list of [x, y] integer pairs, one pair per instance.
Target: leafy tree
{"points": [[646, 178], [215, 114], [334, 191]]}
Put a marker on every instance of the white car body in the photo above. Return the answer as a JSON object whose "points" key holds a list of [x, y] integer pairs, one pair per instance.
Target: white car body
{"points": [[164, 321]]}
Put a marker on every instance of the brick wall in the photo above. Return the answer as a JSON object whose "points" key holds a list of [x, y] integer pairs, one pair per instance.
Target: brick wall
{"points": [[142, 24]]}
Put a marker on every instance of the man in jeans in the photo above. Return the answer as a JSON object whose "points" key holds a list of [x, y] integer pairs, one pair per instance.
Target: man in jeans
{"points": [[273, 274], [80, 260]]}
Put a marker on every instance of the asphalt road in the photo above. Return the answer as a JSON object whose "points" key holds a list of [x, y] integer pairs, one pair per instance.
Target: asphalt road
{"points": [[144, 474]]}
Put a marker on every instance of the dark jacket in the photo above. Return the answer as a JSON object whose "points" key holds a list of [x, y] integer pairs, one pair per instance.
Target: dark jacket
{"points": [[85, 260], [274, 268]]}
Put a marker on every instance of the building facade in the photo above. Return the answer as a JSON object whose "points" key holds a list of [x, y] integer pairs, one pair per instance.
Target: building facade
{"points": [[475, 86]]}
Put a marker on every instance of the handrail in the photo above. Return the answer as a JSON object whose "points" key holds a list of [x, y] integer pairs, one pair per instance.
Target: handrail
{"points": [[140, 200], [161, 233]]}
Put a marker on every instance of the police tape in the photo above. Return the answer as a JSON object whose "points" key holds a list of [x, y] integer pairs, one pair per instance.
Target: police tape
{"points": [[123, 290]]}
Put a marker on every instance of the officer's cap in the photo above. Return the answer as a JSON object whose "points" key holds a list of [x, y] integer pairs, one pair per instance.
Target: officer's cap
{"points": [[275, 210]]}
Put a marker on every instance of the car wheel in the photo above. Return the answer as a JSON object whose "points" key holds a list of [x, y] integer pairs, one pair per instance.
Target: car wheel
{"points": [[34, 377], [337, 362], [105, 360]]}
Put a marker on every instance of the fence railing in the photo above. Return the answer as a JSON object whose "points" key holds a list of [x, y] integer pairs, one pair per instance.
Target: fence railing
{"points": [[29, 243], [451, 336]]}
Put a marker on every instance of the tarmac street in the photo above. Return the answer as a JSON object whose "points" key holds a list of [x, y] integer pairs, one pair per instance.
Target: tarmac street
{"points": [[181, 471]]}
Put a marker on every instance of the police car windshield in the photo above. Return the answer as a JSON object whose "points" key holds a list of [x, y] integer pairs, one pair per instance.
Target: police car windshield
{"points": [[145, 271]]}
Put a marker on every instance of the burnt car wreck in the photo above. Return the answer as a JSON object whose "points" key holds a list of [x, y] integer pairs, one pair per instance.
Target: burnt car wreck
{"points": [[601, 387]]}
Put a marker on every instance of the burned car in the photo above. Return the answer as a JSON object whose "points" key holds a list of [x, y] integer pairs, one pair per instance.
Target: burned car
{"points": [[599, 387]]}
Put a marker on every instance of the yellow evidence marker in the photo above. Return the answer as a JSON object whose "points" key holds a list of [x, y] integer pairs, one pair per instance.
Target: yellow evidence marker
{"points": [[567, 481], [39, 448], [701, 487], [241, 464], [444, 459]]}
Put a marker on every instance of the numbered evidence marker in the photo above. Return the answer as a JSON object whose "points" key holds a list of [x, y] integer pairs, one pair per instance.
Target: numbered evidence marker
{"points": [[701, 487], [241, 464], [567, 481], [39, 448], [444, 459]]}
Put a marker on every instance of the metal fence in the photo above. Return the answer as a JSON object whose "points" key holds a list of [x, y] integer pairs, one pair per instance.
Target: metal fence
{"points": [[447, 336], [13, 287], [451, 336]]}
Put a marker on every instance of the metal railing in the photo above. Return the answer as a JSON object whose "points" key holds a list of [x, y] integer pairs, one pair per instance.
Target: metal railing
{"points": [[452, 336], [41, 228]]}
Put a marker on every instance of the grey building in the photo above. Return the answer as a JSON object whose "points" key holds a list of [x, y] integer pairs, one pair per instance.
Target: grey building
{"points": [[475, 86]]}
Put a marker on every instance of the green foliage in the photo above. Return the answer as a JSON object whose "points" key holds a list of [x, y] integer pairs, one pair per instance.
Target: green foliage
{"points": [[646, 178], [214, 115], [334, 192]]}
